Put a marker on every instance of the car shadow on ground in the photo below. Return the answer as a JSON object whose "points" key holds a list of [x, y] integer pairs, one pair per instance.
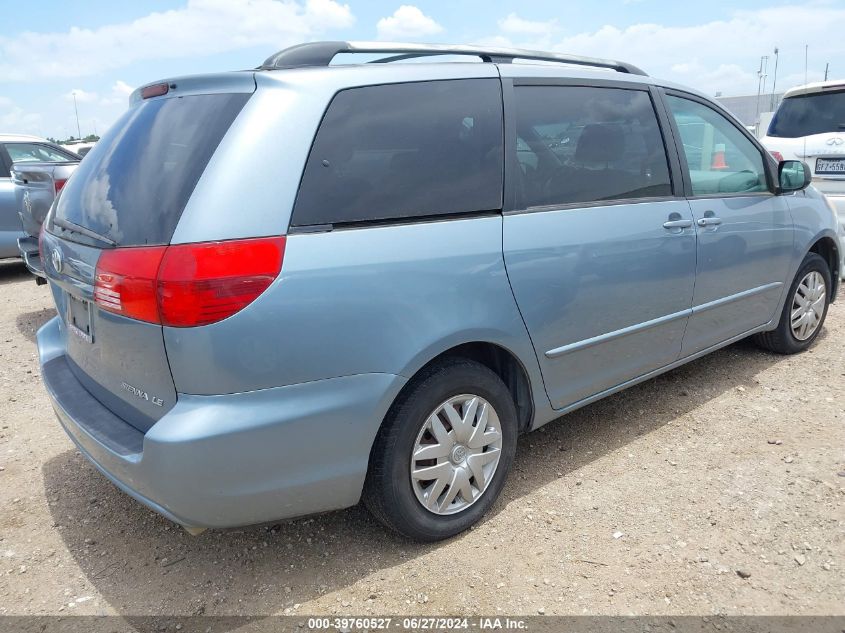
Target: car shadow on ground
{"points": [[12, 270], [143, 564], [28, 323]]}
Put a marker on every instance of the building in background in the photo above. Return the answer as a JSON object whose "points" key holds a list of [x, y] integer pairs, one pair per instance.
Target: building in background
{"points": [[748, 109]]}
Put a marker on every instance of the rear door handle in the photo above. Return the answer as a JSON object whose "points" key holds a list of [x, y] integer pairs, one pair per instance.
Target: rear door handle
{"points": [[709, 221], [677, 224]]}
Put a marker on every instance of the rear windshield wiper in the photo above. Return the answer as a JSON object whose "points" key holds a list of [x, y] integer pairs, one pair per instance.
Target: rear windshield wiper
{"points": [[81, 230]]}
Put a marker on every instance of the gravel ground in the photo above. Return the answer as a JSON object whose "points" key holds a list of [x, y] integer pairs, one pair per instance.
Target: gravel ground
{"points": [[716, 488]]}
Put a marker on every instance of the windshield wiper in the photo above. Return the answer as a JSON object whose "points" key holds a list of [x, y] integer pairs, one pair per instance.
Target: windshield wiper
{"points": [[81, 230]]}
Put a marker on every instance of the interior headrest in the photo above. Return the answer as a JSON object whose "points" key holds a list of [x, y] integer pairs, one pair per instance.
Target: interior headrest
{"points": [[600, 143]]}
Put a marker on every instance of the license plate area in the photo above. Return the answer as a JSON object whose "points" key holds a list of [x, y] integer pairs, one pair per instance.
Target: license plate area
{"points": [[830, 166], [79, 318]]}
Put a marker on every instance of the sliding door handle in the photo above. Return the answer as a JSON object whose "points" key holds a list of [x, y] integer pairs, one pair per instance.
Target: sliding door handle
{"points": [[709, 221]]}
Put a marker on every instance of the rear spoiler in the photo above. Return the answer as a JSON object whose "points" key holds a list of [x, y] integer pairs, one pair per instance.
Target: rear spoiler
{"points": [[217, 83]]}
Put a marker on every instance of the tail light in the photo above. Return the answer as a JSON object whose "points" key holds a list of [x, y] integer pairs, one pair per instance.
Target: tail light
{"points": [[777, 156], [58, 185], [187, 285], [125, 282], [204, 283]]}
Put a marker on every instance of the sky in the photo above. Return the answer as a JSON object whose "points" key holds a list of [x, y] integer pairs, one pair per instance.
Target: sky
{"points": [[100, 50]]}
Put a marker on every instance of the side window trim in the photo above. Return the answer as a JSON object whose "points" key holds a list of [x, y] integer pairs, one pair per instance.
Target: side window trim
{"points": [[615, 202], [573, 82], [764, 155], [512, 202], [680, 176], [510, 196]]}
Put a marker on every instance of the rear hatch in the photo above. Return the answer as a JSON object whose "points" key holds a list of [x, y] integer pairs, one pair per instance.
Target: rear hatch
{"points": [[36, 188], [109, 228]]}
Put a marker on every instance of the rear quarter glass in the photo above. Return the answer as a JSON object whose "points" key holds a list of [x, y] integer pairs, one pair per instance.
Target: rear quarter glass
{"points": [[405, 150], [134, 184]]}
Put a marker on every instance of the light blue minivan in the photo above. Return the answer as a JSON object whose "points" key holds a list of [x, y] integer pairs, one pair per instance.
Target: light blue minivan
{"points": [[284, 290]]}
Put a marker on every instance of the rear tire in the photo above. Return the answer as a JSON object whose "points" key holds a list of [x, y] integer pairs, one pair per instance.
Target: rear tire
{"points": [[804, 310], [454, 487]]}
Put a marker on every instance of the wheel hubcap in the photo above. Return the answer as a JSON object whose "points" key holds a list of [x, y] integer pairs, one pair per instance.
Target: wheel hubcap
{"points": [[459, 454], [808, 306], [456, 454]]}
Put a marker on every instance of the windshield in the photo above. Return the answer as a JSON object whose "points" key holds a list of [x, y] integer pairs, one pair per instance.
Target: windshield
{"points": [[815, 113], [134, 184]]}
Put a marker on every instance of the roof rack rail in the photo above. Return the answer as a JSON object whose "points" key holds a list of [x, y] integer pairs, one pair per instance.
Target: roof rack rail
{"points": [[322, 53]]}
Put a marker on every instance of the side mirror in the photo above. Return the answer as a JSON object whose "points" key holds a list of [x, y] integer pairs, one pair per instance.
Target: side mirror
{"points": [[793, 175]]}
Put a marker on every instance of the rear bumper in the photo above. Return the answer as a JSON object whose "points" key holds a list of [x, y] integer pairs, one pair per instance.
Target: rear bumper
{"points": [[9, 243], [28, 247], [235, 459]]}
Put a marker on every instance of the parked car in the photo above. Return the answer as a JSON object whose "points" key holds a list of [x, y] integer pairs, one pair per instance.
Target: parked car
{"points": [[423, 264], [80, 148], [19, 149], [810, 125], [36, 186]]}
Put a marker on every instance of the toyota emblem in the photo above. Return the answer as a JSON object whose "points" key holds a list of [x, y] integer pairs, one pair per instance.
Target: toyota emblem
{"points": [[56, 258]]}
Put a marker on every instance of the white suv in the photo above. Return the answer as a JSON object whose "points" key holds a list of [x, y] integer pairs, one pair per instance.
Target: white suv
{"points": [[809, 125]]}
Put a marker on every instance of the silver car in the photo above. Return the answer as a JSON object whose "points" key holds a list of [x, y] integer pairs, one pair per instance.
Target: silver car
{"points": [[809, 125], [284, 290], [24, 151]]}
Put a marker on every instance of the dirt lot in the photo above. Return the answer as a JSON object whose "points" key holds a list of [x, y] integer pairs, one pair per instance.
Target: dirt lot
{"points": [[650, 502]]}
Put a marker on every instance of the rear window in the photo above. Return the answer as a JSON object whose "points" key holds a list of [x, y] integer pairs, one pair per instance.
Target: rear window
{"points": [[36, 152], [809, 114], [405, 150], [135, 182]]}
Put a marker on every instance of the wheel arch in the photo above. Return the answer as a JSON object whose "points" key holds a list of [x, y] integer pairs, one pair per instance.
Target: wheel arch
{"points": [[826, 247], [501, 361]]}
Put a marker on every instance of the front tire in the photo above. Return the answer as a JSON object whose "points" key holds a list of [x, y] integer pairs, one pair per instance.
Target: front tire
{"points": [[442, 455], [804, 310]]}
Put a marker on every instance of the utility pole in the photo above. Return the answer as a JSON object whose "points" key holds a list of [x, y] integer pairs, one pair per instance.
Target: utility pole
{"points": [[765, 71], [76, 110], [806, 58], [772, 102], [761, 81]]}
